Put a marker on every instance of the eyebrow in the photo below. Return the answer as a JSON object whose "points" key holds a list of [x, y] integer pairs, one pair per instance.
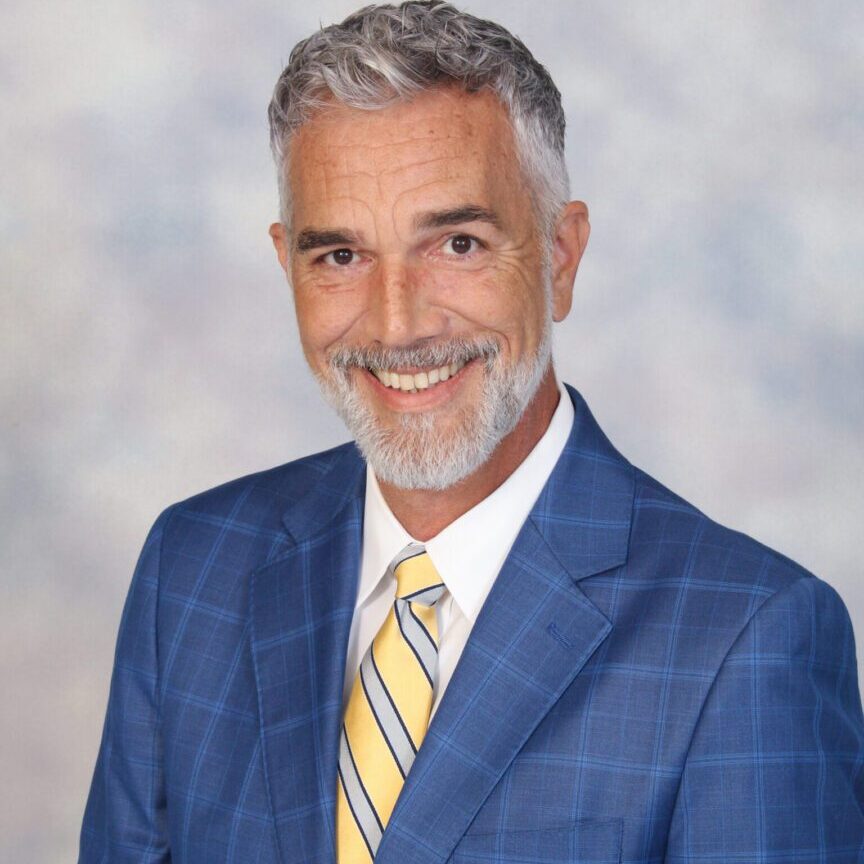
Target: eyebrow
{"points": [[313, 238], [456, 216]]}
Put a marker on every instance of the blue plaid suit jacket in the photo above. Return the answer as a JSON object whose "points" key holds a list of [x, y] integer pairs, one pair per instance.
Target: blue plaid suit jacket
{"points": [[642, 685]]}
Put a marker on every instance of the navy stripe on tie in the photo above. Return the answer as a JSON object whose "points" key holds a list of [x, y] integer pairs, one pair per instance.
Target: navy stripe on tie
{"points": [[412, 550], [354, 814], [434, 591], [387, 692], [422, 626], [358, 798], [386, 716], [418, 640]]}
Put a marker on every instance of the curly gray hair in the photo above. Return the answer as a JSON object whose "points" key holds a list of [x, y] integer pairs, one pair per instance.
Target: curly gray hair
{"points": [[383, 54]]}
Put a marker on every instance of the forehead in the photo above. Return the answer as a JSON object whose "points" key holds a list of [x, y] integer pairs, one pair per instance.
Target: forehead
{"points": [[443, 144]]}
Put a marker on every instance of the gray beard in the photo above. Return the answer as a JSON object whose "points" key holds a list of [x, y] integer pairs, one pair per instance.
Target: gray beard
{"points": [[417, 454]]}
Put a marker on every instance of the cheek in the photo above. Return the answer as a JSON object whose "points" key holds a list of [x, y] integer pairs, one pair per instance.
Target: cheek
{"points": [[325, 316], [504, 299]]}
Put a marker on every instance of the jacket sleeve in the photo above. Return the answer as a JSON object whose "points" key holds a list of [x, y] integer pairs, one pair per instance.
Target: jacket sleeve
{"points": [[125, 818], [775, 770]]}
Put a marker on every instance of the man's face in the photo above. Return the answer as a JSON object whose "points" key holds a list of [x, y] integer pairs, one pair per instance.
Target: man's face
{"points": [[421, 287]]}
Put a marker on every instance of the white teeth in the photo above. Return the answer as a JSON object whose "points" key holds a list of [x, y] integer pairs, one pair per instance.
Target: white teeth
{"points": [[419, 381]]}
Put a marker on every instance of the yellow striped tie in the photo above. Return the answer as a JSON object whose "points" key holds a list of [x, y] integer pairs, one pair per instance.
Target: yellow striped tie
{"points": [[388, 710]]}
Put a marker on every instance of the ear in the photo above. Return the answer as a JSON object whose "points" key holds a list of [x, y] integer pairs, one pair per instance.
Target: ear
{"points": [[279, 235], [569, 242]]}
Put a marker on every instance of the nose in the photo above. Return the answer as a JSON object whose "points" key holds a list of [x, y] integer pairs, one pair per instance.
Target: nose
{"points": [[400, 309]]}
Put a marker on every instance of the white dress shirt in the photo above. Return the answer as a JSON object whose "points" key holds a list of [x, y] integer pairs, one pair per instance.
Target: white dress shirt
{"points": [[468, 553]]}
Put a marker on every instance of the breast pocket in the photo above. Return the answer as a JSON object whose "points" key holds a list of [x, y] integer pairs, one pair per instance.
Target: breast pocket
{"points": [[586, 841]]}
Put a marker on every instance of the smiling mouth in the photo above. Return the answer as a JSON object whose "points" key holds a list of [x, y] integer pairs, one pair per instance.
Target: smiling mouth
{"points": [[413, 382]]}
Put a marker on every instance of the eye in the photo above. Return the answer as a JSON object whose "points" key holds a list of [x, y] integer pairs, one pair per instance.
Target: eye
{"points": [[340, 257], [461, 244]]}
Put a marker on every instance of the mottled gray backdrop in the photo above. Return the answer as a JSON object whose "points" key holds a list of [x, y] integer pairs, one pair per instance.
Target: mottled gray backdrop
{"points": [[148, 343]]}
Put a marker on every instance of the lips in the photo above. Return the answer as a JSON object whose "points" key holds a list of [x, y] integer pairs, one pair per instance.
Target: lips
{"points": [[413, 382]]}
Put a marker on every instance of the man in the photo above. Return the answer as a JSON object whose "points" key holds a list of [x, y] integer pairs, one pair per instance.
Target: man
{"points": [[488, 637]]}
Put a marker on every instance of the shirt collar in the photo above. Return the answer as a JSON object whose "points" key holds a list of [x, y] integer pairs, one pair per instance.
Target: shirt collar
{"points": [[469, 552], [383, 538]]}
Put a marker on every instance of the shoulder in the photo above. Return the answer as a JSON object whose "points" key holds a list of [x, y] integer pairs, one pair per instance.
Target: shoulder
{"points": [[706, 553], [278, 487], [715, 604], [248, 510], [693, 588]]}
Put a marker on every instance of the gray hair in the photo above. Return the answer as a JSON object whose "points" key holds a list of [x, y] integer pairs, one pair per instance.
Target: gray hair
{"points": [[384, 54]]}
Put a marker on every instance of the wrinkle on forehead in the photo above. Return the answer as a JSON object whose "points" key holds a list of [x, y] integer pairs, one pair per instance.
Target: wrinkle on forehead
{"points": [[406, 157]]}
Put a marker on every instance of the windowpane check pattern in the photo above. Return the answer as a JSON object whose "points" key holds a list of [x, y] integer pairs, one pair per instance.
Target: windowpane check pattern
{"points": [[389, 707]]}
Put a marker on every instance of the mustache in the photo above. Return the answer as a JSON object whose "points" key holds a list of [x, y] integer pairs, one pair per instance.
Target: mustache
{"points": [[422, 354]]}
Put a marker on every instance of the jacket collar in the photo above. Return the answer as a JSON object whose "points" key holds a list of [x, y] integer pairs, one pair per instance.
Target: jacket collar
{"points": [[585, 510], [301, 606]]}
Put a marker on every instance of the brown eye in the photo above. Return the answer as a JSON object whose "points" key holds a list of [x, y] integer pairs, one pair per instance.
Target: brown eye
{"points": [[340, 256], [461, 244]]}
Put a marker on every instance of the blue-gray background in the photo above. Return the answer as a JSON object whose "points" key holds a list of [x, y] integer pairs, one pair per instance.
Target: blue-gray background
{"points": [[148, 342]]}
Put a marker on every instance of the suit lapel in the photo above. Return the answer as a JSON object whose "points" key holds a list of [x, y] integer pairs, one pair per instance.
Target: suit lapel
{"points": [[301, 609], [535, 632]]}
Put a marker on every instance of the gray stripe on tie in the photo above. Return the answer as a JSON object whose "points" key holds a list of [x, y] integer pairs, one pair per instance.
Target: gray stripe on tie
{"points": [[426, 596], [392, 727], [412, 550], [418, 639], [361, 806]]}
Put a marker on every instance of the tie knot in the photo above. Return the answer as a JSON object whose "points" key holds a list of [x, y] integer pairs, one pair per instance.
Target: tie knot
{"points": [[417, 580]]}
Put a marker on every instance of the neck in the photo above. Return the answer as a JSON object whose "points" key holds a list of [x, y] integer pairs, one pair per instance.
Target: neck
{"points": [[424, 513]]}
